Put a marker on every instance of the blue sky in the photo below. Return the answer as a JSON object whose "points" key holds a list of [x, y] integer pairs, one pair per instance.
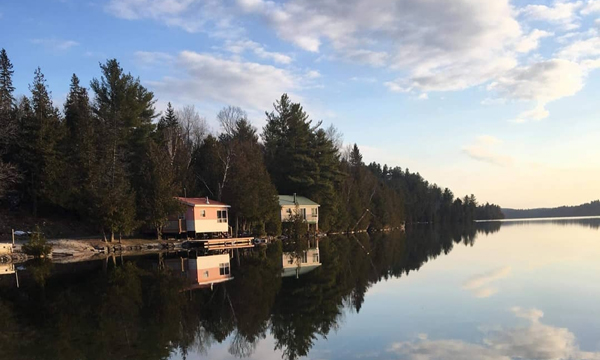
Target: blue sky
{"points": [[496, 98]]}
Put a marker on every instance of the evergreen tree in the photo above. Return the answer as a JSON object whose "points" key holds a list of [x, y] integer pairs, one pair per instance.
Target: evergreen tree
{"points": [[81, 149], [157, 195], [288, 154], [8, 125], [40, 136], [125, 110], [207, 167], [249, 191]]}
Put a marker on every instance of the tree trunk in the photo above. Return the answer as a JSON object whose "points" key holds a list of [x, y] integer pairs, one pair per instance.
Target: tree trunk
{"points": [[158, 233], [112, 236]]}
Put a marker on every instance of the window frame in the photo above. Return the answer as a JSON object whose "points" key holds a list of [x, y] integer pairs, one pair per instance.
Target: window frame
{"points": [[224, 269]]}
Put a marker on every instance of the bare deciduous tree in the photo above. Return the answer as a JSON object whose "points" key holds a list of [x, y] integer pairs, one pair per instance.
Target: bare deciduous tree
{"points": [[194, 126], [228, 118]]}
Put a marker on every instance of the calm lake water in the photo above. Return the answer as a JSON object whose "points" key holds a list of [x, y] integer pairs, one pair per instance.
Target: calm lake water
{"points": [[496, 291]]}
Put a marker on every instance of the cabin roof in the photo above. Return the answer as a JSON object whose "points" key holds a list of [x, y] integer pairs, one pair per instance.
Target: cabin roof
{"points": [[288, 200], [201, 202]]}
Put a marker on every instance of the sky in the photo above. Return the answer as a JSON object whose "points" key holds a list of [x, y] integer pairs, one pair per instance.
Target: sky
{"points": [[497, 98]]}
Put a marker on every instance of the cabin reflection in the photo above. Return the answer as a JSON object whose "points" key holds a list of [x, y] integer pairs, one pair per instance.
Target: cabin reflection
{"points": [[295, 264], [202, 271], [7, 269]]}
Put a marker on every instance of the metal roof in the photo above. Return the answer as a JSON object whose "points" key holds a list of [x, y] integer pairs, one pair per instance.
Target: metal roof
{"points": [[201, 202], [288, 200]]}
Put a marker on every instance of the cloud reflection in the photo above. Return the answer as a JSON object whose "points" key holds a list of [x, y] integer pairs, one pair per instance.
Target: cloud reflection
{"points": [[536, 340], [480, 284]]}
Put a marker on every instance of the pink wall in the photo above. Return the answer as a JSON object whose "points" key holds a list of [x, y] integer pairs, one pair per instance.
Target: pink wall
{"points": [[211, 213], [213, 275]]}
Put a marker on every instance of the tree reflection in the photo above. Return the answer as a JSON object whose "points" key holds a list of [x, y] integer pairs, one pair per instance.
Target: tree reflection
{"points": [[139, 310]]}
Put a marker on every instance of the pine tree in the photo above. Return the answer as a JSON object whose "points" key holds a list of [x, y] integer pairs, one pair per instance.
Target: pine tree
{"points": [[9, 174], [81, 149], [125, 110], [157, 195], [288, 154], [40, 136], [249, 191]]}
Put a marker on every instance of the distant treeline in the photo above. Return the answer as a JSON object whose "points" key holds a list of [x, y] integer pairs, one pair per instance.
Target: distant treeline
{"points": [[587, 209], [112, 160]]}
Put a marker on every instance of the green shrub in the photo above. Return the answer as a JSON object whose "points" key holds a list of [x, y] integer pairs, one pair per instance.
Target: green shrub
{"points": [[37, 245]]}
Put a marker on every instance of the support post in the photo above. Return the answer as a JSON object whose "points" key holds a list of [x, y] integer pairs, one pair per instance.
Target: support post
{"points": [[13, 236]]}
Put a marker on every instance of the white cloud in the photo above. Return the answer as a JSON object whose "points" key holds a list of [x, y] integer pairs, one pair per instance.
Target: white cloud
{"points": [[190, 15], [208, 77], [434, 45], [423, 96], [591, 7], [541, 82], [536, 340], [581, 49], [149, 58], [561, 13], [55, 44], [313, 74], [442, 47], [531, 41], [483, 150], [240, 46], [480, 284]]}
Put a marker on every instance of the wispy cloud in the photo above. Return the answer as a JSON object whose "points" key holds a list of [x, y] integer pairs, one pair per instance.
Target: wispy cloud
{"points": [[481, 284], [55, 44], [240, 46], [484, 150], [224, 80]]}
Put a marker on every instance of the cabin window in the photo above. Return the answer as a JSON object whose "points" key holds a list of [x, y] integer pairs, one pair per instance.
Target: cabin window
{"points": [[315, 257], [314, 212], [181, 217], [222, 216], [224, 269], [304, 257], [303, 213], [203, 213], [206, 274]]}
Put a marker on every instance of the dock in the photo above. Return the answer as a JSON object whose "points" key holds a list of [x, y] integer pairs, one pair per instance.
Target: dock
{"points": [[222, 244]]}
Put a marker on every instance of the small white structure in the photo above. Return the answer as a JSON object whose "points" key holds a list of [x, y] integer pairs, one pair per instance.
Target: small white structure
{"points": [[203, 271], [6, 269], [202, 216], [292, 205], [6, 248], [293, 266]]}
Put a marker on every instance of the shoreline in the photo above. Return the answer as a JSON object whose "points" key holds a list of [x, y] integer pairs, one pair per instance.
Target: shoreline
{"points": [[91, 248]]}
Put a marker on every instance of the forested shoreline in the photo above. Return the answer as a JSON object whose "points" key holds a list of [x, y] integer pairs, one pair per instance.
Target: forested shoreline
{"points": [[110, 158], [588, 209]]}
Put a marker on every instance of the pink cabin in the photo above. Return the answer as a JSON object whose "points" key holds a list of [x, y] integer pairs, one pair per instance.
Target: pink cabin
{"points": [[202, 216], [203, 271]]}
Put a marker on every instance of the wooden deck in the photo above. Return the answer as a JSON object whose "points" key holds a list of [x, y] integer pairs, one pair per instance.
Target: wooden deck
{"points": [[224, 244]]}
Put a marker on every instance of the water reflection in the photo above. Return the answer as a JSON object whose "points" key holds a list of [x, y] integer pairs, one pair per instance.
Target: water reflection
{"points": [[136, 309], [533, 340], [202, 271], [294, 264]]}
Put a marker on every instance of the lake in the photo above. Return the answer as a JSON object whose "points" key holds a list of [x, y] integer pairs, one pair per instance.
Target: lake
{"points": [[495, 291]]}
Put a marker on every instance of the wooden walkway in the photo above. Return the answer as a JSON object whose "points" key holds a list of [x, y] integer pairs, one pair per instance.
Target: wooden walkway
{"points": [[224, 244]]}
